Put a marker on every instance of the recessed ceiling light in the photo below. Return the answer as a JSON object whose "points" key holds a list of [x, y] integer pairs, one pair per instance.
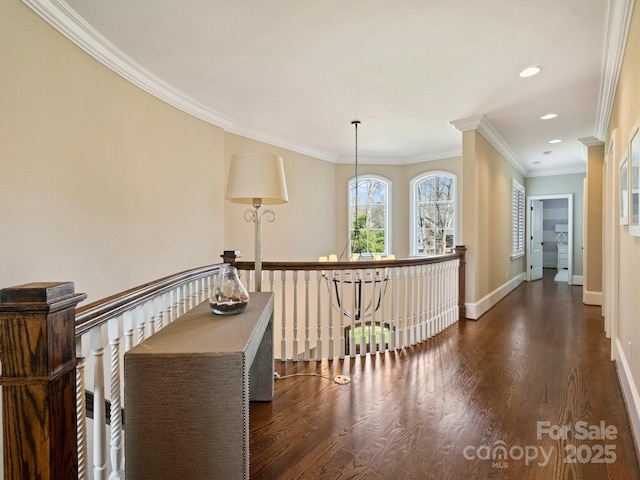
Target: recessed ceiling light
{"points": [[548, 116], [555, 140], [537, 162], [530, 71], [548, 152]]}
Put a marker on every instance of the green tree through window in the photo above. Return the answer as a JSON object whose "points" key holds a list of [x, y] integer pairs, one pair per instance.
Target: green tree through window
{"points": [[368, 216]]}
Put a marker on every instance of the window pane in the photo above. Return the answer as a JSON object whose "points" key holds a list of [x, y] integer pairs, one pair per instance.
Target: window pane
{"points": [[376, 217], [368, 226], [434, 197]]}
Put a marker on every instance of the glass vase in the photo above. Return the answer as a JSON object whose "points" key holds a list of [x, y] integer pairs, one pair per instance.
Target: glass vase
{"points": [[229, 294]]}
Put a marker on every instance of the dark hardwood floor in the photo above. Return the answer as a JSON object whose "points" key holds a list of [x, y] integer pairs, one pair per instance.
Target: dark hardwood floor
{"points": [[536, 364]]}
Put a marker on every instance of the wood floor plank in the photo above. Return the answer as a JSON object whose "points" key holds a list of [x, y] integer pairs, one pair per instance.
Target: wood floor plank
{"points": [[439, 409]]}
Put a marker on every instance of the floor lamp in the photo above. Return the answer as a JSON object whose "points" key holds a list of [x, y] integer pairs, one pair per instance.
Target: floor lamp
{"points": [[257, 179]]}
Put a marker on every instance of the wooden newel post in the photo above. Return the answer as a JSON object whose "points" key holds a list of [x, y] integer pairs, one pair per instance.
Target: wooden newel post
{"points": [[462, 309], [37, 351]]}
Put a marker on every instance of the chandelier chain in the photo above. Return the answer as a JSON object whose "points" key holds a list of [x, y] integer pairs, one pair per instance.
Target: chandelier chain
{"points": [[355, 123]]}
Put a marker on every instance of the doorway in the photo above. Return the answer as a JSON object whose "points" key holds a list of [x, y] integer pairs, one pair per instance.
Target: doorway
{"points": [[550, 236]]}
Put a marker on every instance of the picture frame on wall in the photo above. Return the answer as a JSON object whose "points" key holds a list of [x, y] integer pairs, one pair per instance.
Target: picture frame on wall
{"points": [[634, 181], [624, 189]]}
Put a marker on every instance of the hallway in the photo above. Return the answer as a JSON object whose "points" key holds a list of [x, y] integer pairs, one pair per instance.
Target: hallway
{"points": [[526, 392]]}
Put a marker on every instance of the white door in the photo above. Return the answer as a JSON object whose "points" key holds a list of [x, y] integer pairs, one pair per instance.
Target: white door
{"points": [[536, 240]]}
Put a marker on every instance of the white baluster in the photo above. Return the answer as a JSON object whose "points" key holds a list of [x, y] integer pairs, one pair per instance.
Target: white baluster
{"points": [[183, 300], [194, 294], [151, 319], [99, 418], [330, 311], [187, 297], [418, 300], [449, 270], [340, 301], [442, 268], [283, 340], [114, 333], [319, 351], [406, 309], [456, 298], [81, 412], [176, 302], [391, 309], [127, 325], [454, 292], [426, 320], [307, 340], [212, 281], [434, 296], [397, 344], [443, 296], [295, 316], [200, 288], [441, 287], [437, 284], [419, 303], [427, 285], [382, 286], [356, 290], [159, 309], [140, 322], [248, 279], [168, 308], [372, 330], [272, 279], [412, 315], [447, 294]]}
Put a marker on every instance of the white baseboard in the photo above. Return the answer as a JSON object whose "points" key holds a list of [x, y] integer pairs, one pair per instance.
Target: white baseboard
{"points": [[577, 280], [476, 309], [591, 298], [629, 390]]}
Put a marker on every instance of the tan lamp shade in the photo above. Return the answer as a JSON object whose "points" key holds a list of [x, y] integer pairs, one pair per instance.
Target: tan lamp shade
{"points": [[256, 178]]}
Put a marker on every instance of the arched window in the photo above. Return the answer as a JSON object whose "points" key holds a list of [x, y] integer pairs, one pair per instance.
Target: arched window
{"points": [[368, 216], [433, 213]]}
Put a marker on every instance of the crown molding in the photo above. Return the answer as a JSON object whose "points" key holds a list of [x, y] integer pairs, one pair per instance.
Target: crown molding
{"points": [[618, 20], [381, 160], [466, 124], [591, 141], [482, 125], [65, 20], [429, 157], [282, 143], [552, 172]]}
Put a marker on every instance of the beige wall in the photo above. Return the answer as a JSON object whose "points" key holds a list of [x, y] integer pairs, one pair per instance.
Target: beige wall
{"points": [[624, 115], [593, 224], [486, 226], [400, 177], [304, 227], [100, 183]]}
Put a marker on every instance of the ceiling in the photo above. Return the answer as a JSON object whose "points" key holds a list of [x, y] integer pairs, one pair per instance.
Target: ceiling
{"points": [[296, 73]]}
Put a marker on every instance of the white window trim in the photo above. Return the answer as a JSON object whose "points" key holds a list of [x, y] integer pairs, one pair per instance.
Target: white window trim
{"points": [[412, 209], [387, 209], [518, 200]]}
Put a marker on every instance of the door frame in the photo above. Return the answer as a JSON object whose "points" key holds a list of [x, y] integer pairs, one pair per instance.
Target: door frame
{"points": [[533, 221], [569, 197]]}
